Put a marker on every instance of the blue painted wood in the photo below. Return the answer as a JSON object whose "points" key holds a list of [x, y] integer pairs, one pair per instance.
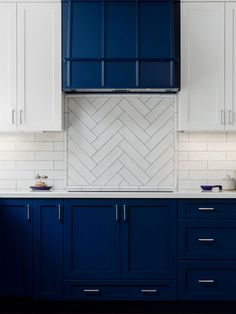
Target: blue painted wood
{"points": [[48, 248], [16, 248], [165, 290], [207, 209], [120, 44], [92, 240], [207, 240], [221, 273], [149, 239]]}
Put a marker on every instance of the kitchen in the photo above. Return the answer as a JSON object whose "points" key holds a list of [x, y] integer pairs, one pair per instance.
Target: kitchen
{"points": [[123, 112]]}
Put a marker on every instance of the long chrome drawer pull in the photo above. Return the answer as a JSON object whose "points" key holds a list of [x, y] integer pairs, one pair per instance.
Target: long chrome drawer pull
{"points": [[125, 214], [149, 290], [206, 281], [206, 240], [117, 213], [206, 208], [91, 290]]}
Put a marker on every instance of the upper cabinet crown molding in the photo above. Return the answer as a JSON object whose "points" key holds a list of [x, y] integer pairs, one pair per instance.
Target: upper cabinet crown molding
{"points": [[208, 72], [30, 60]]}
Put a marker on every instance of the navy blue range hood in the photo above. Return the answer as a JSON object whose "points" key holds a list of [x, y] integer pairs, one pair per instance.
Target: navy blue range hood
{"points": [[121, 46]]}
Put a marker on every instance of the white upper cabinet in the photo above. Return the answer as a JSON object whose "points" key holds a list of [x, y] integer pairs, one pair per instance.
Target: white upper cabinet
{"points": [[230, 66], [39, 70], [30, 63], [8, 66], [201, 99]]}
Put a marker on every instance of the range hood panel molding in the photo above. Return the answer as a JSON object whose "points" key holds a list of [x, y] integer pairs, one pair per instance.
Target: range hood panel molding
{"points": [[121, 46]]}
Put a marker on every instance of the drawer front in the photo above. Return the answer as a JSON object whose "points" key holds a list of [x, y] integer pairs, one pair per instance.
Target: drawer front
{"points": [[207, 281], [207, 239], [207, 209], [163, 290]]}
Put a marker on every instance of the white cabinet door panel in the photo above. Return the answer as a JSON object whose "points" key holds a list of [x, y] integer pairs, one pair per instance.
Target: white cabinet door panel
{"points": [[230, 66], [8, 66], [39, 66], [201, 99]]}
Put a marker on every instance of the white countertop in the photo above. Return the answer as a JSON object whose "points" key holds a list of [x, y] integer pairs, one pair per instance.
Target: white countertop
{"points": [[66, 194]]}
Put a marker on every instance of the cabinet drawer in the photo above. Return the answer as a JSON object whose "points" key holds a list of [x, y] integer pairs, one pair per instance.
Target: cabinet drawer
{"points": [[207, 280], [207, 209], [162, 290], [207, 239]]}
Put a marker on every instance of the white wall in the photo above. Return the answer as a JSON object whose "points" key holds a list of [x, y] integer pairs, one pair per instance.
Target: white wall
{"points": [[205, 158]]}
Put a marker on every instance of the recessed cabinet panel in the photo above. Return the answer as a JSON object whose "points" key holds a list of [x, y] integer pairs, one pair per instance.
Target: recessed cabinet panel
{"points": [[149, 240], [48, 248], [16, 247], [121, 30], [8, 101], [156, 30], [86, 25], [156, 73], [91, 240], [120, 74], [39, 66], [85, 74], [201, 103]]}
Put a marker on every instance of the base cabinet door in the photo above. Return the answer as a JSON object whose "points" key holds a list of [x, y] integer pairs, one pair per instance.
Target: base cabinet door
{"points": [[92, 240], [16, 248], [149, 239], [48, 249]]}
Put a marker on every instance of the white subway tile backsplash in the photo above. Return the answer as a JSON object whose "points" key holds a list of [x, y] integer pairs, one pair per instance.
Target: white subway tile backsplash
{"points": [[193, 165], [209, 165], [192, 146], [207, 156], [22, 156]]}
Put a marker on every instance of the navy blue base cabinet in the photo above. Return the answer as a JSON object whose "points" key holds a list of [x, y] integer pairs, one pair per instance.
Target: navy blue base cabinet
{"points": [[121, 45], [16, 248], [48, 249], [207, 250], [120, 249]]}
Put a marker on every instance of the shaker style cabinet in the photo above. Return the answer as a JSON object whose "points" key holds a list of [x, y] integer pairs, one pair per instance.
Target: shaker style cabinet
{"points": [[120, 45], [120, 249], [201, 99], [48, 248], [30, 84], [16, 248], [206, 99]]}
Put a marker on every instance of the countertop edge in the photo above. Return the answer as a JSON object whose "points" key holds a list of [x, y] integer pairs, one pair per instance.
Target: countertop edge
{"points": [[109, 195]]}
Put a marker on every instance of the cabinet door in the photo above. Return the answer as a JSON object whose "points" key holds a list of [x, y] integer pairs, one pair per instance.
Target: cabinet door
{"points": [[149, 239], [16, 248], [48, 248], [230, 64], [8, 66], [92, 245], [201, 102], [39, 66]]}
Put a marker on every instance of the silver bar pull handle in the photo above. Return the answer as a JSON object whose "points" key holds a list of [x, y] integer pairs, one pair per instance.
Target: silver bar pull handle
{"points": [[28, 212], [21, 120], [124, 213], [13, 116], [92, 291], [206, 281], [206, 208], [206, 240], [59, 213], [230, 117], [222, 116], [149, 290], [117, 213]]}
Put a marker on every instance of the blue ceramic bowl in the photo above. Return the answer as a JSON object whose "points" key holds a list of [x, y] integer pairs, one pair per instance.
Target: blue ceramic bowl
{"points": [[210, 187]]}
